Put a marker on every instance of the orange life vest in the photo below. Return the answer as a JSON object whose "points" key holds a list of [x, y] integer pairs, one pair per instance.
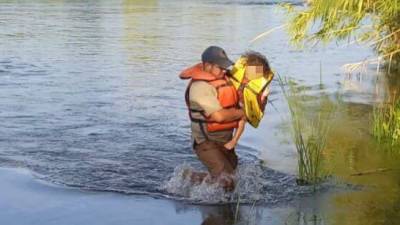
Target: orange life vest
{"points": [[227, 96]]}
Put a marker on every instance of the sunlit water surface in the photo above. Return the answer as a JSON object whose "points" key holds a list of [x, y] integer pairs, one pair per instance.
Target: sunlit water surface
{"points": [[90, 98]]}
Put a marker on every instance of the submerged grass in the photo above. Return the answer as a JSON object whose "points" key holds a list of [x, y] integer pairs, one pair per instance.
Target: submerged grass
{"points": [[310, 122]]}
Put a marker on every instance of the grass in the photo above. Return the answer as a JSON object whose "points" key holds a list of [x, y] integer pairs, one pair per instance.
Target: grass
{"points": [[310, 122], [374, 23], [386, 122]]}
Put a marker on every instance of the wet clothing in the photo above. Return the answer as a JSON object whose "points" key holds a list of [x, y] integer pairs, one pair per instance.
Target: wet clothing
{"points": [[203, 96], [216, 157], [225, 93]]}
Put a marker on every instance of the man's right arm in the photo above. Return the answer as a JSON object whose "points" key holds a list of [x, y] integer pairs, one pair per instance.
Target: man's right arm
{"points": [[205, 96], [227, 115]]}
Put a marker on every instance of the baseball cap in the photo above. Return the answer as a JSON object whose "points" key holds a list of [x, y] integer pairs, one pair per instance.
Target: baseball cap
{"points": [[216, 55]]}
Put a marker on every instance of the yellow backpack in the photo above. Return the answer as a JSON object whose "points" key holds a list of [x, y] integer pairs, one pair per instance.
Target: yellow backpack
{"points": [[251, 91]]}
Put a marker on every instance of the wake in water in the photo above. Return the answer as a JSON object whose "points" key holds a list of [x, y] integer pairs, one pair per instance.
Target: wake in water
{"points": [[253, 183], [180, 185]]}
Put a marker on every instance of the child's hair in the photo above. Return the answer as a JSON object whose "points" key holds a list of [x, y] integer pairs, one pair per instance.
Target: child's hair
{"points": [[254, 58]]}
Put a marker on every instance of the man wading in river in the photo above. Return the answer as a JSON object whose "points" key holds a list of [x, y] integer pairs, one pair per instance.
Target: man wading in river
{"points": [[213, 110]]}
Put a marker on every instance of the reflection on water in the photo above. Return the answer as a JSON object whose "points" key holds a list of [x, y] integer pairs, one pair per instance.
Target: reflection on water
{"points": [[353, 150], [358, 152], [224, 215], [353, 157], [141, 29]]}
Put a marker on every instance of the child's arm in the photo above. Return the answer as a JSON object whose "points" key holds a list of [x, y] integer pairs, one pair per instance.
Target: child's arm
{"points": [[238, 132]]}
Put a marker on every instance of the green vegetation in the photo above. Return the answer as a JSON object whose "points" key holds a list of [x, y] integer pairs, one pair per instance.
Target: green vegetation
{"points": [[374, 22], [310, 121], [386, 122], [385, 119]]}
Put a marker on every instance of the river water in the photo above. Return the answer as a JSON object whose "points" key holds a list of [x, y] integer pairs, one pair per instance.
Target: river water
{"points": [[90, 98]]}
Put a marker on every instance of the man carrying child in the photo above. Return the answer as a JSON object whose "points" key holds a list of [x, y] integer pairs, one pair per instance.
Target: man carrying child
{"points": [[217, 121]]}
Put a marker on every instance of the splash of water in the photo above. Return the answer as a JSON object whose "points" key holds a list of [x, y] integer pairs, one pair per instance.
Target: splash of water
{"points": [[250, 183], [248, 187], [180, 185]]}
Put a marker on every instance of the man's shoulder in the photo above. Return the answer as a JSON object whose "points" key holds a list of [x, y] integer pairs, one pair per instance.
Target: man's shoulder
{"points": [[204, 96], [201, 84], [202, 90], [202, 87]]}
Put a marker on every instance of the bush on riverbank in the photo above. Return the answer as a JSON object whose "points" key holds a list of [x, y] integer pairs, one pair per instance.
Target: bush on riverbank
{"points": [[376, 23]]}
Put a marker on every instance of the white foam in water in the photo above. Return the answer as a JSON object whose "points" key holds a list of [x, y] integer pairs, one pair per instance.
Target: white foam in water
{"points": [[249, 183], [248, 186], [180, 185]]}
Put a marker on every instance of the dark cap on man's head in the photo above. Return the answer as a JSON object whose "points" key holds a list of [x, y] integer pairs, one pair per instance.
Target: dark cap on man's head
{"points": [[216, 55]]}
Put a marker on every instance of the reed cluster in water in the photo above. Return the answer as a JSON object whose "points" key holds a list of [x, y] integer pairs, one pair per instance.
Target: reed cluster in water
{"points": [[386, 122], [310, 122]]}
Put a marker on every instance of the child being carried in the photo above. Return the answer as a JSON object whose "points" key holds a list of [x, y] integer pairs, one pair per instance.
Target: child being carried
{"points": [[251, 76]]}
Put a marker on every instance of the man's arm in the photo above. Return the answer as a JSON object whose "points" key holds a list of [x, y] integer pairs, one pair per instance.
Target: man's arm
{"points": [[227, 115], [205, 96]]}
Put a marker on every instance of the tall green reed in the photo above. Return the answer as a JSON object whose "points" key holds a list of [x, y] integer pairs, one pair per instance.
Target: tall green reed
{"points": [[386, 122], [310, 122]]}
